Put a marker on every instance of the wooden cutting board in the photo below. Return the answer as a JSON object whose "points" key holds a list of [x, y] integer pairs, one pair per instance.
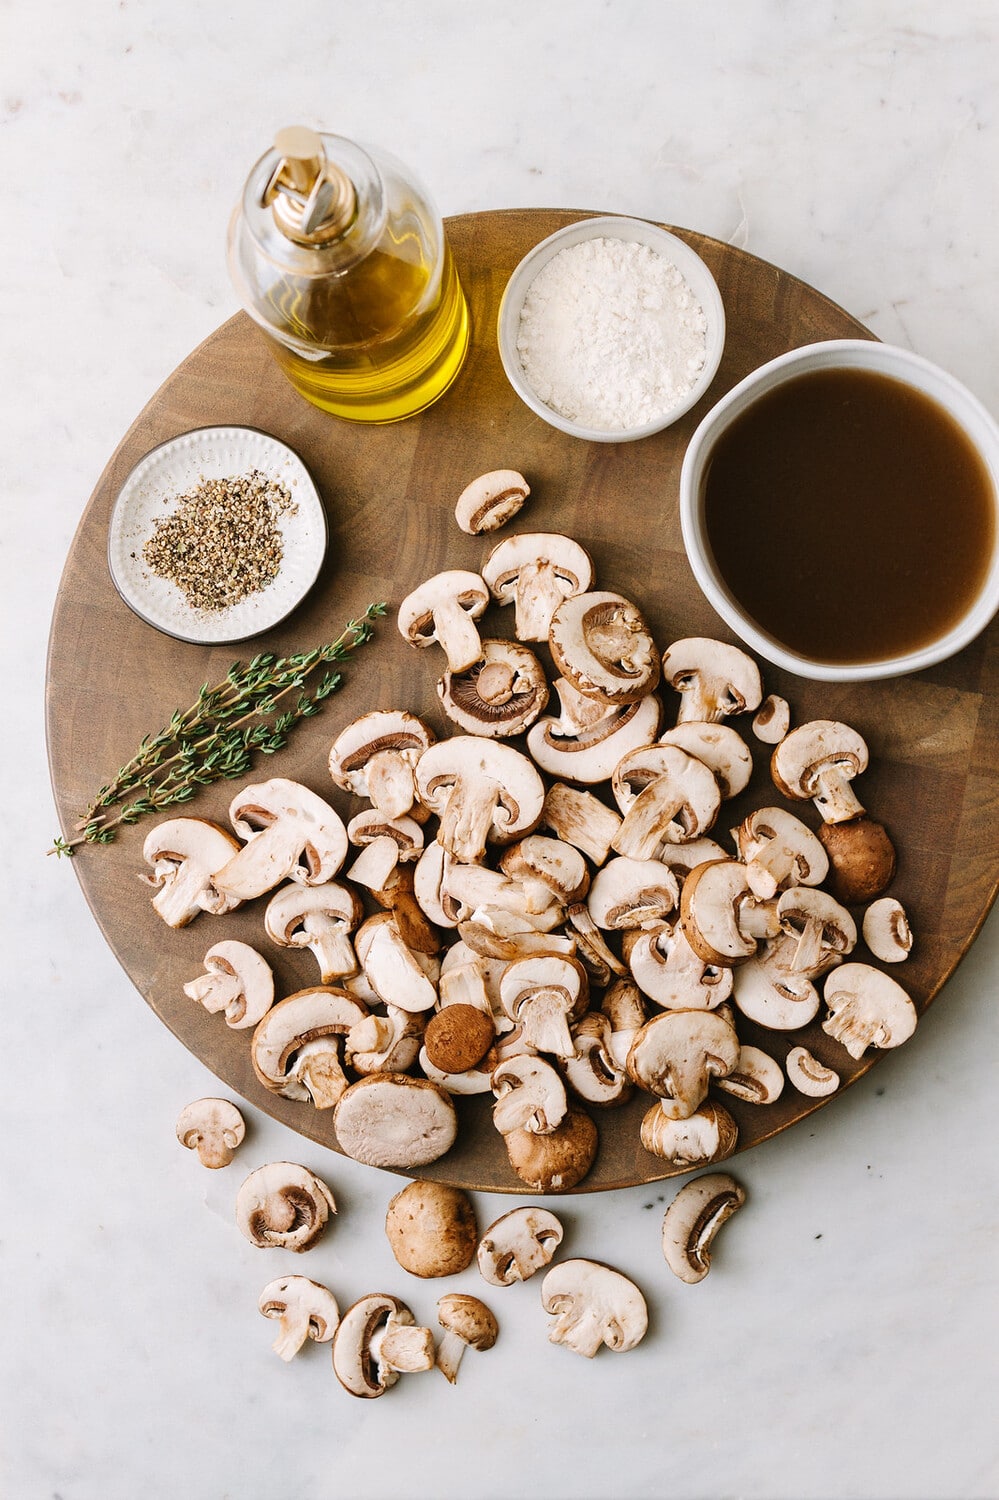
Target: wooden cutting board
{"points": [[390, 493]]}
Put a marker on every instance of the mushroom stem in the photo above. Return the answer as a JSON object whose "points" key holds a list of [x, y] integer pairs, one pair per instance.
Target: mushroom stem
{"points": [[467, 818], [544, 1019], [293, 1330], [449, 1352], [318, 1068], [834, 796]]}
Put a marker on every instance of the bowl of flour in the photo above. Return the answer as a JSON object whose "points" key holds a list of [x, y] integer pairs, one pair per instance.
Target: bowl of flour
{"points": [[611, 329]]}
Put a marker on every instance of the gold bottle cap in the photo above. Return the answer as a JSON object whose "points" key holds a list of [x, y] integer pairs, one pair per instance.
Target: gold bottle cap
{"points": [[311, 198]]}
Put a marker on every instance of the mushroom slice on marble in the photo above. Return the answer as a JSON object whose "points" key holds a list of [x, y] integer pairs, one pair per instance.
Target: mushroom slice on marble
{"points": [[283, 1206], [304, 1310], [378, 1340], [692, 1220], [212, 1127], [518, 1244], [594, 1307]]}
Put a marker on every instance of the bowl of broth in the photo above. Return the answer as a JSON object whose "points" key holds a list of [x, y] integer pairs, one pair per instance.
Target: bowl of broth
{"points": [[840, 511]]}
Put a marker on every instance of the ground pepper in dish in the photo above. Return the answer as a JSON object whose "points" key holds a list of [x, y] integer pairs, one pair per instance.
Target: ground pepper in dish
{"points": [[222, 542]]}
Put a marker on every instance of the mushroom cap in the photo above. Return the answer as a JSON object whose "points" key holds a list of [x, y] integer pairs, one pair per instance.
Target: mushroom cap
{"points": [[518, 1244], [708, 1135], [499, 695], [710, 906], [756, 1078], [629, 893], [601, 643], [692, 1220], [431, 1229], [552, 863], [861, 857], [594, 1306], [458, 1036], [559, 1160], [665, 967], [588, 755], [866, 1008], [283, 1205], [714, 679], [394, 1120], [774, 997], [290, 833], [491, 500], [212, 1127], [469, 1319]]}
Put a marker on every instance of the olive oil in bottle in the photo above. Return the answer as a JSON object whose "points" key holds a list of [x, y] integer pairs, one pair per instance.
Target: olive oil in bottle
{"points": [[342, 260]]}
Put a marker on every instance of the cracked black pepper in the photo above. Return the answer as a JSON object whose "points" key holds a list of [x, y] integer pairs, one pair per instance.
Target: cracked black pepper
{"points": [[222, 542]]}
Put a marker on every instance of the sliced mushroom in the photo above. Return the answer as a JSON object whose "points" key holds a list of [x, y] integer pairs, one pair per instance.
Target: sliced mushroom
{"points": [[816, 932], [666, 796], [385, 1044], [558, 1160], [720, 917], [184, 854], [866, 1008], [481, 791], [393, 1120], [692, 1220], [467, 1324], [517, 1245], [757, 1078], [581, 819], [399, 975], [601, 643], [290, 833], [774, 997], [212, 1127], [304, 1309], [237, 981], [296, 1048], [535, 571], [375, 756], [708, 1135], [676, 1054], [377, 1341], [491, 500], [283, 1206], [549, 870], [720, 747], [530, 1096], [886, 930], [444, 609], [544, 995], [772, 719], [499, 695], [808, 1075], [778, 850], [817, 762], [319, 918], [713, 679], [431, 1229], [593, 1071], [628, 893], [666, 968], [588, 753], [594, 1307]]}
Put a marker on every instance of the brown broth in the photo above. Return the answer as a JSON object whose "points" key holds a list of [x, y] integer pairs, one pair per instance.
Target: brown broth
{"points": [[849, 516]]}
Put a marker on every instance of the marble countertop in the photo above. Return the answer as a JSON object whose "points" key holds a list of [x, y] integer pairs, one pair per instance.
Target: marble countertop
{"points": [[845, 1344]]}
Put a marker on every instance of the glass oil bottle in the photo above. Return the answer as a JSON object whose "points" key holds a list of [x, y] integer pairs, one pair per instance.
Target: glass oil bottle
{"points": [[340, 257]]}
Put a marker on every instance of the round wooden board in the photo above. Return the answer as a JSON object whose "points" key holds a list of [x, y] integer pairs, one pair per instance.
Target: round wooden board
{"points": [[390, 493]]}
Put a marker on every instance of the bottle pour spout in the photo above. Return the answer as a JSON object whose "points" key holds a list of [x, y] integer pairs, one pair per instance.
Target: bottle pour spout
{"points": [[311, 198]]}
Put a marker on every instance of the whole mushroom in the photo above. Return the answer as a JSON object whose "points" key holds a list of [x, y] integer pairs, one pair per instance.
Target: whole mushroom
{"points": [[431, 1229]]}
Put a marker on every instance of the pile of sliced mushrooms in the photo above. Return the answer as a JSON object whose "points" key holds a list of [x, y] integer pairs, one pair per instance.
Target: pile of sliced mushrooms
{"points": [[557, 923]]}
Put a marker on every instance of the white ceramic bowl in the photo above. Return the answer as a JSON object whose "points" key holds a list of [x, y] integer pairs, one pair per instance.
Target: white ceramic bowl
{"points": [[672, 248], [900, 364]]}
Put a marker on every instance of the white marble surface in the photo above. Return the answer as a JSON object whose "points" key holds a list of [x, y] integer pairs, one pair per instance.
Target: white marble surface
{"points": [[845, 1345]]}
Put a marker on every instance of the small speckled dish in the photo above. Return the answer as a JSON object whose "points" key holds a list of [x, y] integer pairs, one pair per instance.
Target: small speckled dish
{"points": [[640, 231], [172, 470]]}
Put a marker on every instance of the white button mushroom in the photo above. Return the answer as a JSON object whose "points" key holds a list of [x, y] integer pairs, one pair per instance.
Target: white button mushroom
{"points": [[594, 1306], [444, 609], [296, 1048], [482, 791], [394, 1120], [184, 854], [817, 762], [710, 1134], [866, 1008], [536, 571], [319, 918]]}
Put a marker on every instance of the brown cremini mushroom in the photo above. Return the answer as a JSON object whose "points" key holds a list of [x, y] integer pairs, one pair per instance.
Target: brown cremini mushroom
{"points": [[283, 1206], [375, 755], [557, 1161], [692, 1220], [600, 642], [467, 1324], [482, 791], [713, 679], [431, 1229], [378, 1340], [499, 695], [290, 833]]}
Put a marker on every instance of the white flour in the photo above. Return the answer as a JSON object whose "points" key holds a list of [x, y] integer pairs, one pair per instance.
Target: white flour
{"points": [[611, 334]]}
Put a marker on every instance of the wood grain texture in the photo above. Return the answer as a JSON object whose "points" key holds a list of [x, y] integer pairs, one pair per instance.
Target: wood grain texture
{"points": [[390, 494]]}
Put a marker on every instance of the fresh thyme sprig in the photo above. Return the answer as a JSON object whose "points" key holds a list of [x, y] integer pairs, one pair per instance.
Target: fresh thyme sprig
{"points": [[216, 738]]}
